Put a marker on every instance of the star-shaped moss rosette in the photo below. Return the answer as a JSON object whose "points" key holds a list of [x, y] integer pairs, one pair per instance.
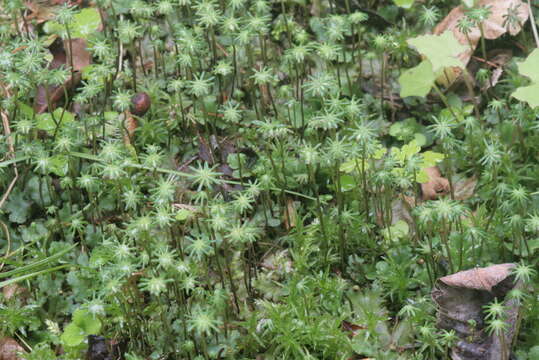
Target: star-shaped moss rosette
{"points": [[440, 52], [530, 69]]}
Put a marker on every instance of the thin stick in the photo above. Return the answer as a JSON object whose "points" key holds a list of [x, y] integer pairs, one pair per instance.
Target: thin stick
{"points": [[534, 26], [8, 250], [7, 132]]}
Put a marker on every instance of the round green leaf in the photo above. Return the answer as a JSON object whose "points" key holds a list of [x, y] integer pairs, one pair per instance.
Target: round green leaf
{"points": [[441, 50], [73, 335], [417, 81]]}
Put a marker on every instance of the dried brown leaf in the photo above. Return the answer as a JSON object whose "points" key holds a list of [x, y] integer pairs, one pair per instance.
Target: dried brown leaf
{"points": [[464, 189], [351, 328], [81, 56], [479, 278], [494, 27], [15, 290], [436, 186], [9, 348], [290, 214], [40, 12]]}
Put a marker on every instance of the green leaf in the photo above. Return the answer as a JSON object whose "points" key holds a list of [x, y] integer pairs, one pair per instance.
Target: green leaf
{"points": [[404, 3], [59, 165], [431, 158], [397, 231], [410, 149], [37, 264], [441, 50], [86, 321], [530, 66], [529, 94], [46, 122], [347, 182], [26, 110], [422, 177], [85, 23], [417, 81], [183, 214], [31, 275], [420, 139], [73, 335]]}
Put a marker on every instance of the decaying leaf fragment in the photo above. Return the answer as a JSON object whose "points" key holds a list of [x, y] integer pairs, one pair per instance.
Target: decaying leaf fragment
{"points": [[436, 186], [81, 57], [494, 27], [9, 349], [461, 298]]}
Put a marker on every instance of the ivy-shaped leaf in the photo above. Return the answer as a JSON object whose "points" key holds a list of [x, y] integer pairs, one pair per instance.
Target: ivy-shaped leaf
{"points": [[440, 50], [85, 23], [530, 69], [417, 81]]}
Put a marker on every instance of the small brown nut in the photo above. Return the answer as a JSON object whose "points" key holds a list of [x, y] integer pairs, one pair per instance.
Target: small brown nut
{"points": [[140, 104]]}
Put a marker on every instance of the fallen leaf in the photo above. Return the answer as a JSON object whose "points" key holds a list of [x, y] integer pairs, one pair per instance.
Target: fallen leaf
{"points": [[497, 61], [15, 290], [464, 188], [290, 214], [60, 51], [417, 81], [40, 12], [528, 68], [493, 27], [9, 349], [81, 55], [436, 186], [479, 278], [353, 329]]}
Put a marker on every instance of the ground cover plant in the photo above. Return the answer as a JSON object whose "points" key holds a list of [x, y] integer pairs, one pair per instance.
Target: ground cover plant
{"points": [[259, 179]]}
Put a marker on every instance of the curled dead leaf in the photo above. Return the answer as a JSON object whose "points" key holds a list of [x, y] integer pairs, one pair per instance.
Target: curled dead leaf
{"points": [[436, 186], [10, 349], [61, 57], [351, 328], [479, 278], [131, 125]]}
